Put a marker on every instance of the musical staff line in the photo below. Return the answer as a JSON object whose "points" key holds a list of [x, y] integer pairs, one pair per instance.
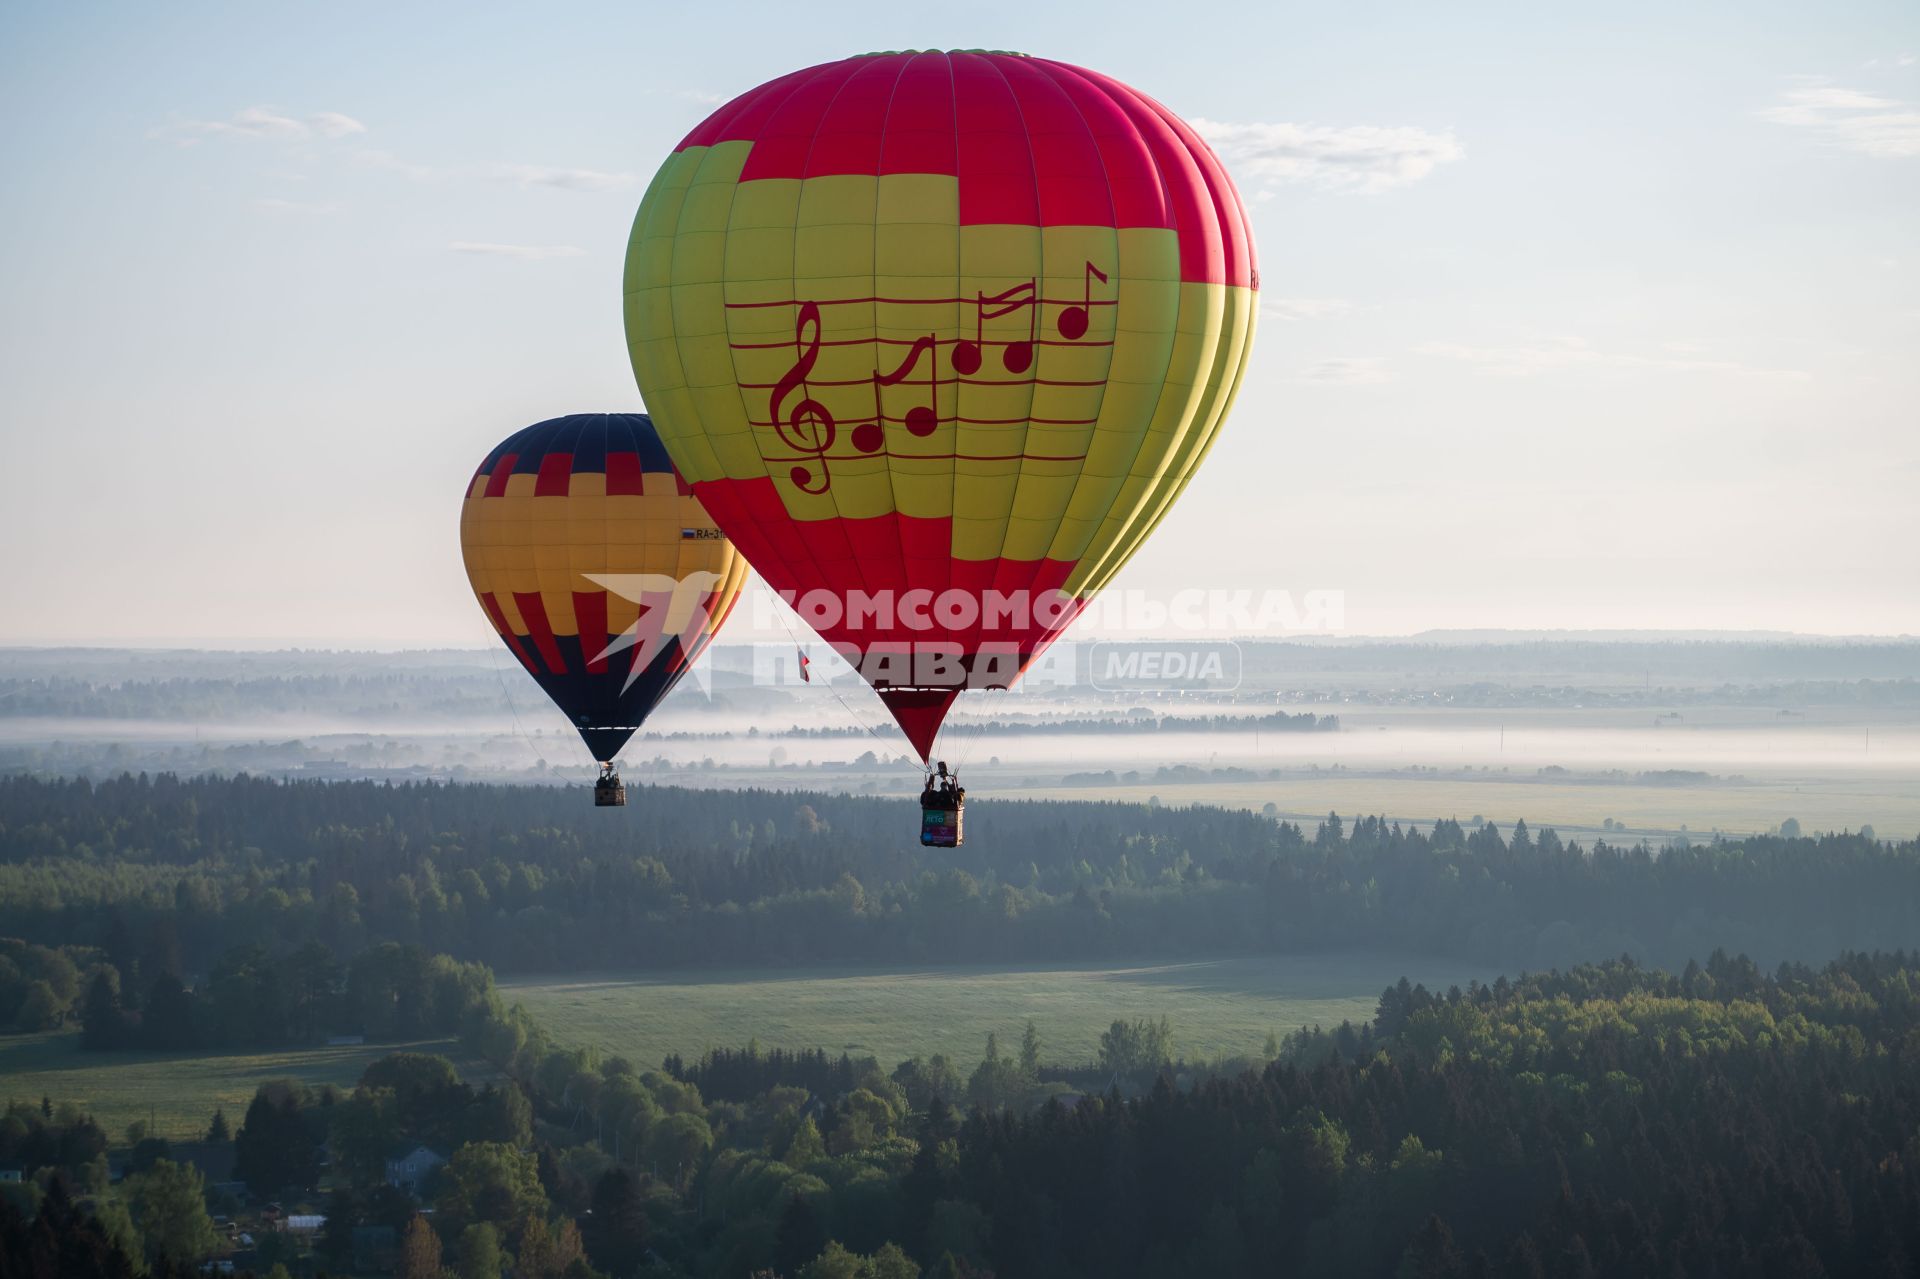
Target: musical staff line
{"points": [[940, 457], [786, 344], [886, 301], [868, 420], [944, 381], [809, 429]]}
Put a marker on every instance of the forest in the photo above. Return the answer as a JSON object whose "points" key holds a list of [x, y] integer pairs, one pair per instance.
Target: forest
{"points": [[1606, 1120], [1674, 1110], [253, 998], [168, 874]]}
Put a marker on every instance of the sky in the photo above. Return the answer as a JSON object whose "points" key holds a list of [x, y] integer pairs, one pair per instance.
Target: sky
{"points": [[1596, 319]]}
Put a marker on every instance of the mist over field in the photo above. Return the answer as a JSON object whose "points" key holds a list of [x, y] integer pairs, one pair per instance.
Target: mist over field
{"points": [[1661, 737]]}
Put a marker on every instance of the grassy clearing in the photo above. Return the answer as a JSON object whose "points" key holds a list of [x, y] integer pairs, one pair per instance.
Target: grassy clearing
{"points": [[1891, 805], [1217, 1007], [178, 1091]]}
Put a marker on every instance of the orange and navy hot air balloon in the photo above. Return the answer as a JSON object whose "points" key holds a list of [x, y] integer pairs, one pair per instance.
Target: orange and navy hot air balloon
{"points": [[938, 338], [598, 568]]}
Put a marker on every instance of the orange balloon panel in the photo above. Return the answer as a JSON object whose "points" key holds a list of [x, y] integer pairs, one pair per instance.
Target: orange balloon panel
{"points": [[954, 323], [597, 566]]}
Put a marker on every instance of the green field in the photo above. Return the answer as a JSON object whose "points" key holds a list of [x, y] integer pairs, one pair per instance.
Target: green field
{"points": [[1890, 804], [1217, 1007], [177, 1091]]}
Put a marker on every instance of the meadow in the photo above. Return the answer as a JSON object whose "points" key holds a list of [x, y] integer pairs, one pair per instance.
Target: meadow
{"points": [[176, 1093], [1576, 810], [1217, 1007]]}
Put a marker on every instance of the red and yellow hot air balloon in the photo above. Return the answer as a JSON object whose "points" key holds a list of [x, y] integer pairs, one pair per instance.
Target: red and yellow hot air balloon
{"points": [[938, 338], [598, 568]]}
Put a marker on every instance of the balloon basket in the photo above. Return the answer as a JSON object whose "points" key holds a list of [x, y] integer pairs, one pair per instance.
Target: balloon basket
{"points": [[609, 791], [940, 827], [943, 804]]}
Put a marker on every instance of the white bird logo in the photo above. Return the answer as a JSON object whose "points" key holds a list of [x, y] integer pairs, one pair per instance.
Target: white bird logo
{"points": [[673, 608]]}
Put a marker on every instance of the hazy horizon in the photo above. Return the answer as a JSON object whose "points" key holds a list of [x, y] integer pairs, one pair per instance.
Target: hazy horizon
{"points": [[742, 637]]}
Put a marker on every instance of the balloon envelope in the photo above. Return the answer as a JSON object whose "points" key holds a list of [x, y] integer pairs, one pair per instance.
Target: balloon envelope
{"points": [[938, 338], [597, 566]]}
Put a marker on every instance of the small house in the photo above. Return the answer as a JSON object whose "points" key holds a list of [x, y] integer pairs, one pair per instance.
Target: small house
{"points": [[408, 1171]]}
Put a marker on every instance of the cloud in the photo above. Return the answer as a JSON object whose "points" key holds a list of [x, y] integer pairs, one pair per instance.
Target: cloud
{"points": [[1362, 370], [272, 124], [1864, 123], [263, 122], [1365, 158], [534, 175], [277, 125], [1303, 308], [524, 252], [331, 124], [1528, 359]]}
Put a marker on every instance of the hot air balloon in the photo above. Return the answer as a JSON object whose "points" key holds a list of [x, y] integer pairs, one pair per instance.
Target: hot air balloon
{"points": [[939, 338], [598, 568]]}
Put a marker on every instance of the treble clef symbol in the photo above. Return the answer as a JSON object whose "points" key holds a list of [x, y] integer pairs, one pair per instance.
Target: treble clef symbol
{"points": [[808, 429]]}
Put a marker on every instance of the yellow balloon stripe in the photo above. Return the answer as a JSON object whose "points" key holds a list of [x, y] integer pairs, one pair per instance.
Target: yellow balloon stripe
{"points": [[1072, 461]]}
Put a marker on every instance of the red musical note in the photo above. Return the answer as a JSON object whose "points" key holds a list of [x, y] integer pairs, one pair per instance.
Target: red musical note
{"points": [[1017, 357], [1072, 323], [921, 419], [809, 429]]}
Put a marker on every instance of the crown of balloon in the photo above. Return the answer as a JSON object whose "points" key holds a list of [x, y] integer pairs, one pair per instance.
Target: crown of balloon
{"points": [[900, 53]]}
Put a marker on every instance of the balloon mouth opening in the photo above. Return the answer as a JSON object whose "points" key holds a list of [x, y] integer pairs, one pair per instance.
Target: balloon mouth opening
{"points": [[919, 712]]}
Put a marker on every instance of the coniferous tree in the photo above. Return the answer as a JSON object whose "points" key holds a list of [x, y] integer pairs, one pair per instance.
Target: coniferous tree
{"points": [[167, 1022], [273, 1148], [616, 1234], [103, 1024], [343, 1214], [799, 1238], [419, 1251]]}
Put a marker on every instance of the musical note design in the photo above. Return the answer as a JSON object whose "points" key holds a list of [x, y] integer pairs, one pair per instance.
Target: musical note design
{"points": [[1072, 322], [921, 419], [809, 429], [1016, 356]]}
